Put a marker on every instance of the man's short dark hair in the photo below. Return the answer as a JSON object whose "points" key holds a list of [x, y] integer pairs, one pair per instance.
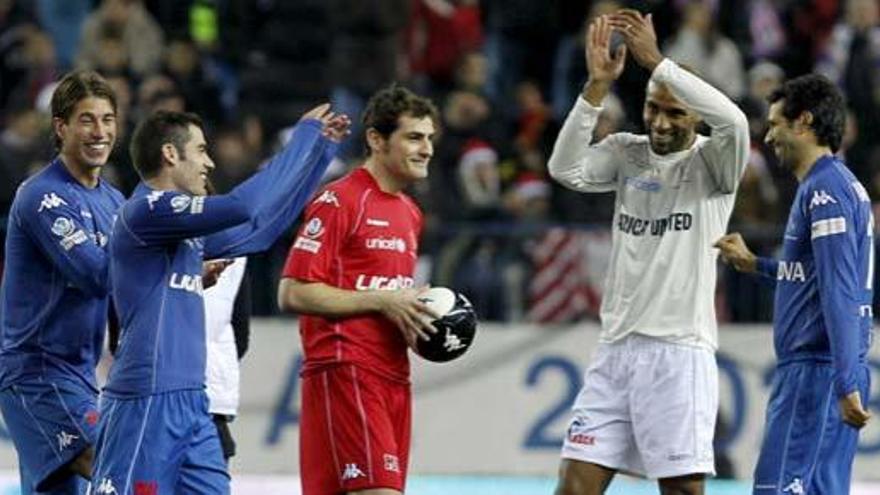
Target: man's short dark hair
{"points": [[158, 129], [74, 87], [386, 106], [816, 94]]}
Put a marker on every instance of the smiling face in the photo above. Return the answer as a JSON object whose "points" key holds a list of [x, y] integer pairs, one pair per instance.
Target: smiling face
{"points": [[87, 136], [781, 137], [192, 164], [405, 154], [671, 125]]}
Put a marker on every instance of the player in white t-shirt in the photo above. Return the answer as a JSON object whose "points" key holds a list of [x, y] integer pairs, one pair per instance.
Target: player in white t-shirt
{"points": [[650, 396]]}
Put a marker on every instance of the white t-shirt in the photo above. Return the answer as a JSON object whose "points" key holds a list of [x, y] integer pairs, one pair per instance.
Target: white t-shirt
{"points": [[221, 368], [668, 211]]}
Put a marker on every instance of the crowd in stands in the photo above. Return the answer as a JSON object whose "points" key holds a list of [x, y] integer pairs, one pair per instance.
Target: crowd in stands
{"points": [[504, 74]]}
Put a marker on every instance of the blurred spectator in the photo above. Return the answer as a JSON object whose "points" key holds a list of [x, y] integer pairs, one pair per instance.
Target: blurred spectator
{"points": [[766, 30], [439, 35], [27, 63], [120, 171], [141, 37], [471, 72], [851, 58], [286, 48], [236, 158], [158, 92], [569, 67], [366, 54], [699, 44], [764, 78], [184, 65], [519, 36], [478, 176], [62, 21], [24, 146]]}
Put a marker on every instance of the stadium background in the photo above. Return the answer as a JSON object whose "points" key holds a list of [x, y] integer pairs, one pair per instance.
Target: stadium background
{"points": [[529, 254]]}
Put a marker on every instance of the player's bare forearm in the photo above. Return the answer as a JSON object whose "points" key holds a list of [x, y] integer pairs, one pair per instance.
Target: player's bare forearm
{"points": [[315, 298]]}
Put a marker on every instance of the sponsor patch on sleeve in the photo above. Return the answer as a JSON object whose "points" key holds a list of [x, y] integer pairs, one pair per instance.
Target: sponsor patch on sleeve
{"points": [[62, 227], [180, 203], [74, 239], [307, 244]]}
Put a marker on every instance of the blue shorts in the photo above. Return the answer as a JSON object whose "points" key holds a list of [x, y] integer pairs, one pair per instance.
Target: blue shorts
{"points": [[51, 422], [807, 448], [163, 443]]}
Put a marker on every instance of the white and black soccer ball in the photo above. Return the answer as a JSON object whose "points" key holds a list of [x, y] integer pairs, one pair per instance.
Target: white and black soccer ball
{"points": [[456, 327]]}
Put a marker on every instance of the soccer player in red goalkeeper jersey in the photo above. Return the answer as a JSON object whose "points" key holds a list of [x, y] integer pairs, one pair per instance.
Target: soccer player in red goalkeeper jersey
{"points": [[350, 275]]}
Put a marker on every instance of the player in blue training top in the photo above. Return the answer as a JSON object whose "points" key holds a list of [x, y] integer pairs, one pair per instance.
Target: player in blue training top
{"points": [[55, 292], [155, 433], [822, 313]]}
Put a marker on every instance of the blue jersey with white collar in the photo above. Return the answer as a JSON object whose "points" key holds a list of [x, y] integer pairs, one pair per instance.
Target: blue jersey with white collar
{"points": [[159, 242], [55, 284], [824, 278]]}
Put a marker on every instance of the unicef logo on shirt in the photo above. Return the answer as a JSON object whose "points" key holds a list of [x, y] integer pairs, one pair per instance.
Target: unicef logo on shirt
{"points": [[387, 244]]}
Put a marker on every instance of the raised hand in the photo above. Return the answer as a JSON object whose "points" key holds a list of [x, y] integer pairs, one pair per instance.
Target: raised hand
{"points": [[638, 32], [334, 126], [603, 68]]}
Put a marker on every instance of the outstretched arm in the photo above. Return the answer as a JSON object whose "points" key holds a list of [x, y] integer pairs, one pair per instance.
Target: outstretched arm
{"points": [[278, 192]]}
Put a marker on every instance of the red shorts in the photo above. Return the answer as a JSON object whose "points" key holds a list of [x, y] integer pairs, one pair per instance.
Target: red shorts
{"points": [[354, 431]]}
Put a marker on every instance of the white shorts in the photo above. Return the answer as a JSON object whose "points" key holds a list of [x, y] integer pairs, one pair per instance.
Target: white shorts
{"points": [[647, 407]]}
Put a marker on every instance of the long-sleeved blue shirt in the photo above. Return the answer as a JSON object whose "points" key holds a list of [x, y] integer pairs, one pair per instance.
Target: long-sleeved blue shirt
{"points": [[159, 241], [55, 284], [824, 279]]}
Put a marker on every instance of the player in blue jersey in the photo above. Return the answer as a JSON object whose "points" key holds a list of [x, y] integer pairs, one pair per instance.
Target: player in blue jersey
{"points": [[822, 312], [155, 433], [55, 292]]}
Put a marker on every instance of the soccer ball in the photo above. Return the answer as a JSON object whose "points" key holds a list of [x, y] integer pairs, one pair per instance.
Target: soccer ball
{"points": [[456, 326]]}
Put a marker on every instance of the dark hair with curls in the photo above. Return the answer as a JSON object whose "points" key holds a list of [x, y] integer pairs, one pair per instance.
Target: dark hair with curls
{"points": [[386, 106], [74, 87], [158, 129], [816, 94]]}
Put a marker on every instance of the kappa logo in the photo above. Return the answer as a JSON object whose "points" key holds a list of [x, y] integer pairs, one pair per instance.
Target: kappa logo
{"points": [[791, 271], [796, 487], [105, 487], [50, 200], [328, 197], [452, 342], [153, 197], [352, 471], [65, 439], [821, 198]]}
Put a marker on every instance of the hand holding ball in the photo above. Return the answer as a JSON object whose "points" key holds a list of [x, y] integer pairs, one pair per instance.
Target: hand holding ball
{"points": [[456, 326]]}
